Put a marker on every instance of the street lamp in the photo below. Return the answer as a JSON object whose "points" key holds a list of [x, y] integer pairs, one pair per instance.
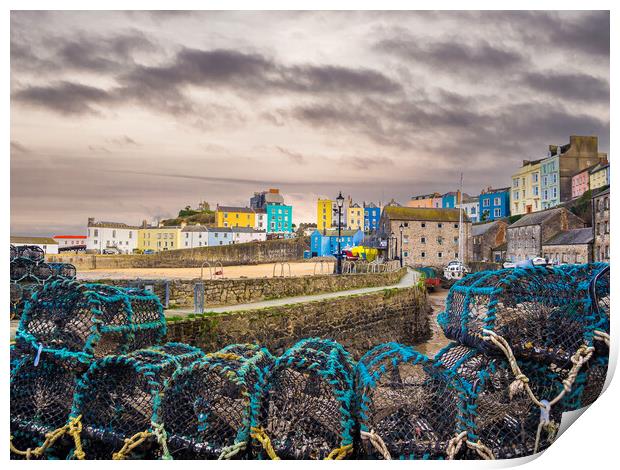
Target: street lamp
{"points": [[339, 202], [401, 228]]}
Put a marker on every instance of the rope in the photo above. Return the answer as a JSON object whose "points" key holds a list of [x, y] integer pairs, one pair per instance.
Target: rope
{"points": [[130, 444], [546, 424], [377, 443], [601, 336], [521, 382], [232, 450], [162, 438], [73, 427], [456, 443], [260, 435], [340, 453]]}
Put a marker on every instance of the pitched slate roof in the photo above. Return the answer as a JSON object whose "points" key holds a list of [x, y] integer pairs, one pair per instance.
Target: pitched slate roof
{"points": [[536, 218], [578, 236], [104, 224], [194, 228], [423, 214], [234, 209], [481, 229]]}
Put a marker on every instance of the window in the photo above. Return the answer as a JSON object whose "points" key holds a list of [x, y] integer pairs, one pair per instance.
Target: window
{"points": [[406, 254], [606, 203], [515, 195], [456, 239], [130, 234], [439, 225], [515, 182], [423, 254], [497, 212], [535, 177], [440, 240], [440, 255], [456, 225], [486, 202], [555, 193], [473, 210], [113, 233], [535, 190], [423, 240], [423, 225]]}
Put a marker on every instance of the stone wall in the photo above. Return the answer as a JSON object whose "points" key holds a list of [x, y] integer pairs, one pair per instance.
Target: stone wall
{"points": [[572, 254], [238, 291], [269, 251], [357, 322]]}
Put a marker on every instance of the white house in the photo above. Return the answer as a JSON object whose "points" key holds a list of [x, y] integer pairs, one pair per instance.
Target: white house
{"points": [[70, 242], [102, 235], [245, 235], [48, 245], [194, 236], [260, 221], [472, 208]]}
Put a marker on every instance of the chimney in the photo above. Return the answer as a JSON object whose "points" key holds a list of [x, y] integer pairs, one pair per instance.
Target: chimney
{"points": [[144, 224], [91, 220]]}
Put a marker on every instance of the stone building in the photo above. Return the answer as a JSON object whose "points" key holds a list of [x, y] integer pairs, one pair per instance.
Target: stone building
{"points": [[430, 237], [486, 238], [600, 225], [572, 247], [526, 237]]}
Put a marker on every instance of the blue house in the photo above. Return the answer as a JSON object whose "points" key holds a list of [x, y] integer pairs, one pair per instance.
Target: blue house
{"points": [[550, 178], [217, 236], [372, 214], [326, 243], [279, 218], [449, 200], [494, 204]]}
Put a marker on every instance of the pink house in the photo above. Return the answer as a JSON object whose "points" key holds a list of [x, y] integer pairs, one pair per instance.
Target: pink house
{"points": [[580, 183]]}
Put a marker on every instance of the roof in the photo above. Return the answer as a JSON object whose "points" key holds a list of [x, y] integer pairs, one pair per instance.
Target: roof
{"points": [[219, 229], [245, 230], [536, 218], [234, 209], [194, 228], [578, 236], [370, 205], [71, 237], [334, 233], [495, 190], [426, 196], [602, 193], [104, 224], [163, 227], [470, 199], [34, 240], [600, 168], [481, 229], [422, 213]]}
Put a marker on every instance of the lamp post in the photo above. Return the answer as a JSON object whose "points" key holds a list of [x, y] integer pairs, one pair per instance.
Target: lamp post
{"points": [[401, 228], [339, 202]]}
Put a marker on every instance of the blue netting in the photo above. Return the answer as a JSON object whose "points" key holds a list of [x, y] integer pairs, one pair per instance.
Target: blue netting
{"points": [[504, 423], [542, 313], [120, 396], [307, 409], [210, 406], [81, 322], [413, 404]]}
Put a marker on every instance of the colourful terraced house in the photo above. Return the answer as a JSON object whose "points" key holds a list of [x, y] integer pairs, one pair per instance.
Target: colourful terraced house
{"points": [[228, 216], [279, 218], [159, 238]]}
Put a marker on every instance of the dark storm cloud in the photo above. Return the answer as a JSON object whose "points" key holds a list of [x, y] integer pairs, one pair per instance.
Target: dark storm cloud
{"points": [[453, 55], [64, 97], [571, 86]]}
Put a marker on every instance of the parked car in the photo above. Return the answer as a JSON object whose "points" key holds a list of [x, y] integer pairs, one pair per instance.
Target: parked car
{"points": [[509, 265], [149, 252], [111, 251]]}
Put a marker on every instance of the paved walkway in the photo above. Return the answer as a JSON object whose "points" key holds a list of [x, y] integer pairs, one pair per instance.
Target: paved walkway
{"points": [[408, 280]]}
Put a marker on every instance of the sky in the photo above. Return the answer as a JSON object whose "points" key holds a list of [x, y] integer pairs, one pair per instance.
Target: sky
{"points": [[131, 116]]}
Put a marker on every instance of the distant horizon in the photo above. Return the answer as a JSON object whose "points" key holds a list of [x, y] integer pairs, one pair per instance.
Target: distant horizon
{"points": [[133, 115]]}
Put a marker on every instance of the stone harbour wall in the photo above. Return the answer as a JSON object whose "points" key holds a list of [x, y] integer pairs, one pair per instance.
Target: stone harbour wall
{"points": [[358, 322], [269, 251], [239, 291]]}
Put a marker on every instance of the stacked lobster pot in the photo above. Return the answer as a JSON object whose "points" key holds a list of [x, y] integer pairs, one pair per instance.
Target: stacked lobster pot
{"points": [[29, 273], [307, 411], [211, 407], [530, 335], [408, 407], [119, 402], [65, 327]]}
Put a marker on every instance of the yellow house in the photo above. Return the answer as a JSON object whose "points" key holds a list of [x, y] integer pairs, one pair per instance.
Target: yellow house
{"points": [[324, 212], [355, 217], [159, 238], [226, 216], [599, 176], [525, 190]]}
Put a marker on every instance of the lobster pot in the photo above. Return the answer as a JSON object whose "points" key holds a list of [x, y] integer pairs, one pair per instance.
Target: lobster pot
{"points": [[63, 270], [89, 321], [588, 385], [42, 272], [119, 396], [307, 409], [411, 404], [540, 312], [13, 252], [506, 424], [32, 252], [21, 269], [20, 293], [41, 397], [209, 407]]}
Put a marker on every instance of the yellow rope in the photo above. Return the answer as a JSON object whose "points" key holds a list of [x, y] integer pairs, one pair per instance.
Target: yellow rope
{"points": [[262, 437], [75, 430], [72, 427], [130, 444], [340, 453], [225, 356]]}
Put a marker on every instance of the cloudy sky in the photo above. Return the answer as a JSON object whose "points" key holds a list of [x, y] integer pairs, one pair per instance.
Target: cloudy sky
{"points": [[127, 116]]}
